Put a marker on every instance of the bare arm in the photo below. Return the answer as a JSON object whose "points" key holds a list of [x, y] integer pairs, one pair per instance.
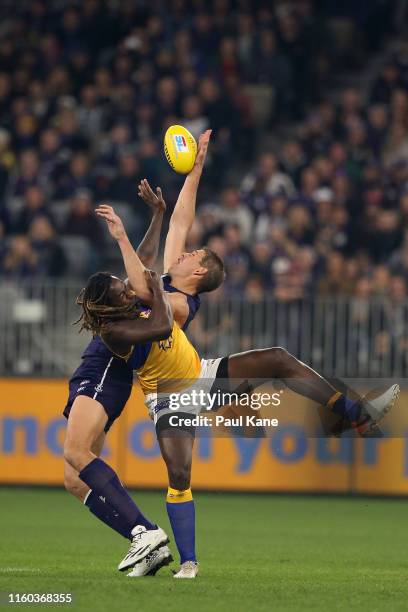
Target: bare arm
{"points": [[149, 247], [120, 336], [135, 269], [136, 262], [184, 210]]}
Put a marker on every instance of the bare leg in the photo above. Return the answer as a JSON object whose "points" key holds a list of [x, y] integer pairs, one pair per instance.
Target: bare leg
{"points": [[72, 481], [86, 424], [108, 500], [176, 447], [278, 363]]}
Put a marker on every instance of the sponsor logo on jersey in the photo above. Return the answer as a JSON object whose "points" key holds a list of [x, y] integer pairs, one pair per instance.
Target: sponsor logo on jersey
{"points": [[180, 143]]}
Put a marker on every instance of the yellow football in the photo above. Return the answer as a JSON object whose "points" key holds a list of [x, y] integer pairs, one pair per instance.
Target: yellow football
{"points": [[180, 149]]}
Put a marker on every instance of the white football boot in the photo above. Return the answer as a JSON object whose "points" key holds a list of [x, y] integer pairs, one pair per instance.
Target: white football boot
{"points": [[374, 408], [151, 564], [378, 407], [188, 569], [143, 542]]}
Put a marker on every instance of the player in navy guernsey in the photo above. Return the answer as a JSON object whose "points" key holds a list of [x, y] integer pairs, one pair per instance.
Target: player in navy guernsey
{"points": [[99, 390]]}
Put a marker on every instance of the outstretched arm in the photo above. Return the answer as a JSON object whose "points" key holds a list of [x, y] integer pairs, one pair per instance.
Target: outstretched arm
{"points": [[135, 269], [149, 247], [184, 210], [136, 262]]}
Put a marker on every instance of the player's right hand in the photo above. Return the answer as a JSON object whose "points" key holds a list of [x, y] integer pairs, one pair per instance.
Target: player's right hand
{"points": [[203, 142], [114, 222]]}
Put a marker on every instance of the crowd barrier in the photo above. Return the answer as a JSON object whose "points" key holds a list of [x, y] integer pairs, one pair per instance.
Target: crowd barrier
{"points": [[336, 336]]}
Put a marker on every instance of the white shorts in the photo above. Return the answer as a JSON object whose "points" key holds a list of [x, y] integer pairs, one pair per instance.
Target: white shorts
{"points": [[191, 400]]}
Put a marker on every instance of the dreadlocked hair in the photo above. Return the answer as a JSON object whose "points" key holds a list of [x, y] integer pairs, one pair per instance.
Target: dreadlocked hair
{"points": [[96, 309]]}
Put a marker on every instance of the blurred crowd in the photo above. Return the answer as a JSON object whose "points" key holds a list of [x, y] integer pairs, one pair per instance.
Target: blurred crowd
{"points": [[88, 88], [326, 213]]}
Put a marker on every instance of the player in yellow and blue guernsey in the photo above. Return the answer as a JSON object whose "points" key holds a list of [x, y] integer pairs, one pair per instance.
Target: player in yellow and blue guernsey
{"points": [[175, 360]]}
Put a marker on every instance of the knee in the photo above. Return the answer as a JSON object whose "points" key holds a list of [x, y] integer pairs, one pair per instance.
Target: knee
{"points": [[179, 476], [277, 355], [74, 485], [73, 455]]}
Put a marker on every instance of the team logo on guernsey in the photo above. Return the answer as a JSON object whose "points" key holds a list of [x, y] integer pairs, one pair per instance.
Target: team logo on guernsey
{"points": [[180, 143], [144, 314], [165, 345]]}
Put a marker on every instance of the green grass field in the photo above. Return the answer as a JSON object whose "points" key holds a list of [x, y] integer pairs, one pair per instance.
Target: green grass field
{"points": [[256, 553]]}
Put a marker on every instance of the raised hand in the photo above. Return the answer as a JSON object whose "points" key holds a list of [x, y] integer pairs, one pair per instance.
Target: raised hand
{"points": [[203, 142], [154, 200], [114, 222]]}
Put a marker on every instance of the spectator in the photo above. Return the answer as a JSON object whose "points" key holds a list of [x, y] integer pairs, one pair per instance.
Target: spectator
{"points": [[268, 180], [193, 117], [261, 262], [82, 221], [34, 206], [385, 236], [386, 83], [293, 160], [233, 211], [334, 283], [51, 156], [71, 138], [124, 186], [274, 68], [27, 173], [75, 177], [19, 260], [300, 229], [51, 260], [90, 114]]}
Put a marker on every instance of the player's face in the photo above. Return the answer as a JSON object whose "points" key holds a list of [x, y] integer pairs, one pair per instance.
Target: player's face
{"points": [[120, 294], [188, 263]]}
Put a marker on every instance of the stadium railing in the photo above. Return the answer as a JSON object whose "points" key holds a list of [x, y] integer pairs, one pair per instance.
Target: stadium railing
{"points": [[337, 336]]}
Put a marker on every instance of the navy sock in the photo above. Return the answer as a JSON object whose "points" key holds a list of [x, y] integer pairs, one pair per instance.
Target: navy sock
{"points": [[100, 477], [105, 513], [345, 407], [182, 519]]}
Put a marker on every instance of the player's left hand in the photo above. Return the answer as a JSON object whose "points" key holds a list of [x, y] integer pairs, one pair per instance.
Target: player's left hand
{"points": [[114, 222], [154, 200]]}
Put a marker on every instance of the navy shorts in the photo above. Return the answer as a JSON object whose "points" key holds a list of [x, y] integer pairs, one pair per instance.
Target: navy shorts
{"points": [[106, 379]]}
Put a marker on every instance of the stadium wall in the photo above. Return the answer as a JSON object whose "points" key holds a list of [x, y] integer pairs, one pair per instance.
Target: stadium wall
{"points": [[289, 458]]}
